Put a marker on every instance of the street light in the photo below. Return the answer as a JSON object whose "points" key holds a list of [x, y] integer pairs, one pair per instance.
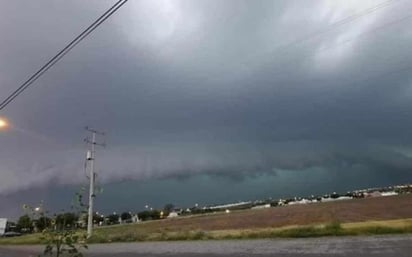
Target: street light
{"points": [[3, 123]]}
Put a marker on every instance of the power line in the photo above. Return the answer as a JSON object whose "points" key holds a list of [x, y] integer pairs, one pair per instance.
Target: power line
{"points": [[329, 28], [63, 52], [336, 24], [118, 4], [374, 30], [391, 23]]}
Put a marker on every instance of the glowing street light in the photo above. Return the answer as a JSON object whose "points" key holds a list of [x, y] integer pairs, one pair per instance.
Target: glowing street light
{"points": [[3, 123]]}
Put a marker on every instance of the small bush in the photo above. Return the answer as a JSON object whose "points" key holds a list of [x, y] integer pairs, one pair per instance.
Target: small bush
{"points": [[333, 229], [297, 232], [199, 235]]}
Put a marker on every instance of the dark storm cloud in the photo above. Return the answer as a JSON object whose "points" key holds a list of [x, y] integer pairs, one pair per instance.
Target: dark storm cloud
{"points": [[186, 88]]}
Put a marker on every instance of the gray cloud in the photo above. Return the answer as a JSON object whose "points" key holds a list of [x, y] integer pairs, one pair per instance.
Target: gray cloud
{"points": [[186, 88]]}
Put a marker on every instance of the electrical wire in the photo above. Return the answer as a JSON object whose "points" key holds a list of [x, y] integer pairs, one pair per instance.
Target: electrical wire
{"points": [[324, 49], [63, 52], [337, 24], [348, 19], [385, 25], [120, 3]]}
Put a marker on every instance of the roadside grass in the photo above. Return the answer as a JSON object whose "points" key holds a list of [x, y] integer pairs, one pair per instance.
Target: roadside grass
{"points": [[142, 233], [29, 239], [135, 233]]}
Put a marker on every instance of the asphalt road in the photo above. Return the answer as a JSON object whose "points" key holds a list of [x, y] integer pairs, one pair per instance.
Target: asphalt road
{"points": [[388, 246]]}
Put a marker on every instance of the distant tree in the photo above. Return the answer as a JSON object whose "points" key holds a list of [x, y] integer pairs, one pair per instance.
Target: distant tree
{"points": [[168, 208], [144, 215], [66, 220], [274, 204], [149, 215], [350, 194], [113, 219], [155, 214], [42, 223], [97, 218], [334, 195], [25, 224], [125, 216]]}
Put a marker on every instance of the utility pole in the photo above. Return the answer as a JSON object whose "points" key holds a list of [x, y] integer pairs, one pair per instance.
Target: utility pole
{"points": [[90, 157]]}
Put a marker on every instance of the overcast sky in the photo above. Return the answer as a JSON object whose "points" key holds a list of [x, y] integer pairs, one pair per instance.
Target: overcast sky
{"points": [[206, 101]]}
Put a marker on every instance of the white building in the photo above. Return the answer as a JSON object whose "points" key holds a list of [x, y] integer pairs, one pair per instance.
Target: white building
{"points": [[3, 225], [264, 206], [230, 205], [135, 218], [173, 214], [390, 193], [302, 201], [340, 198]]}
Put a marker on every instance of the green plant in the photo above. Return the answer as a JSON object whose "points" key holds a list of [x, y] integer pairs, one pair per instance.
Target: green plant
{"points": [[59, 242], [59, 234], [199, 235]]}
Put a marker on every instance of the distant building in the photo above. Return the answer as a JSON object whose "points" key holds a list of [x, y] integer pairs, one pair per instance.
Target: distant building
{"points": [[373, 194], [3, 226], [173, 214], [301, 201], [238, 205], [340, 198], [257, 207], [390, 193], [135, 218], [281, 202]]}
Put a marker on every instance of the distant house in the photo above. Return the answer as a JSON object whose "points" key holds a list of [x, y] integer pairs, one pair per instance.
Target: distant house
{"points": [[373, 194], [340, 198], [390, 193], [301, 201], [3, 225], [173, 214], [239, 205], [135, 218], [281, 202], [263, 206]]}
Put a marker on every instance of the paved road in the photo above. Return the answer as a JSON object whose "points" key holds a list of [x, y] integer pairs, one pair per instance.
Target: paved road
{"points": [[388, 246]]}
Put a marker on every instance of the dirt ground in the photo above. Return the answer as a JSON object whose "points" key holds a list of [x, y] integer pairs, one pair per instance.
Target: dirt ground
{"points": [[356, 210]]}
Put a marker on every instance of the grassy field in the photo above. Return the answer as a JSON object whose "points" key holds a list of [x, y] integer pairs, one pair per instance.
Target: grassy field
{"points": [[382, 215]]}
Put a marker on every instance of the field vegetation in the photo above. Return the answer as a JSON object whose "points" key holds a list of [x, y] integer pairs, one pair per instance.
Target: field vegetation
{"points": [[383, 215]]}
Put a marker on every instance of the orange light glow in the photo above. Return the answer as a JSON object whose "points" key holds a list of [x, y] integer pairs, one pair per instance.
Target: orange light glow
{"points": [[3, 123]]}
